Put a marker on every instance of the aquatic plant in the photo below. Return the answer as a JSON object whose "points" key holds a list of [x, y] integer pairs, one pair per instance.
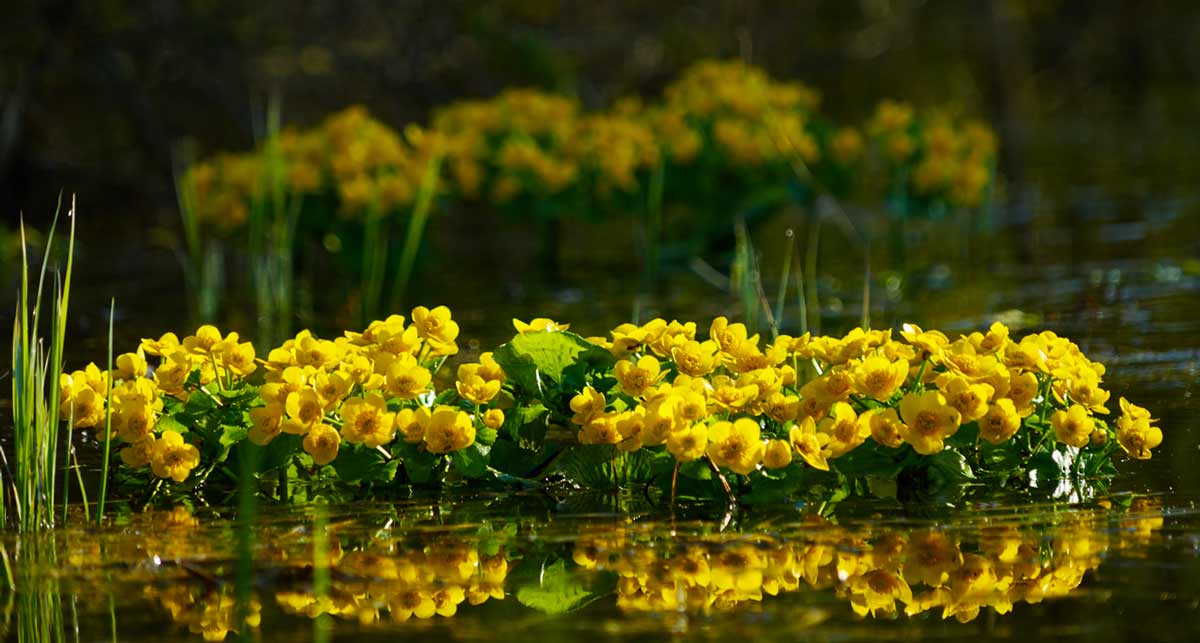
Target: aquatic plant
{"points": [[37, 360], [727, 416]]}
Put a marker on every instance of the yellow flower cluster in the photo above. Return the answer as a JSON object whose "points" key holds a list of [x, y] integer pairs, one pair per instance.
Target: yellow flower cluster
{"points": [[942, 157], [368, 166], [328, 391], [747, 406], [136, 401], [313, 385], [750, 118], [717, 115]]}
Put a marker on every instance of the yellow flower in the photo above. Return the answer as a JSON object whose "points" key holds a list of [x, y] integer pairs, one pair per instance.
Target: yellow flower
{"points": [[139, 453], [489, 369], [411, 423], [304, 410], [931, 342], [587, 404], [970, 399], [1000, 423], [631, 426], [163, 346], [782, 408], [601, 429], [406, 379], [928, 421], [809, 444], [778, 454], [736, 446], [332, 387], [731, 338], [694, 358], [366, 420], [449, 429], [674, 336], [729, 395], [493, 418], [203, 341], [476, 389], [322, 442], [635, 379], [1084, 389], [437, 329], [688, 443], [879, 378], [172, 457], [539, 324], [1138, 436], [86, 406], [884, 425], [133, 419], [237, 358], [131, 365], [1073, 427], [844, 430], [1022, 389], [268, 423]]}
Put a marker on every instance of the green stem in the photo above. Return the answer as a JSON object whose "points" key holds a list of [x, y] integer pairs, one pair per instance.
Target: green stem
{"points": [[112, 309]]}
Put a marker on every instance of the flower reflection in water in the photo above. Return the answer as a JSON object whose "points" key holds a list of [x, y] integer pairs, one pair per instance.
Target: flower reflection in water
{"points": [[390, 576]]}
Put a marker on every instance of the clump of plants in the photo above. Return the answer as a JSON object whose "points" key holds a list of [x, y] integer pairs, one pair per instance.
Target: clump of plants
{"points": [[727, 417]]}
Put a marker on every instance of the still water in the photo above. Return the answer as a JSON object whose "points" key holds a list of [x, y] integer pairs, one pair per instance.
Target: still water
{"points": [[540, 566]]}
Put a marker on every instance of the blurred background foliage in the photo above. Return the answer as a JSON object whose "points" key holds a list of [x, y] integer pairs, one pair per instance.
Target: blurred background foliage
{"points": [[1091, 100], [96, 95]]}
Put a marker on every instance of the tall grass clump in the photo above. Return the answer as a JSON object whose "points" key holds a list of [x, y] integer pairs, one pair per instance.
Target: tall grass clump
{"points": [[36, 385]]}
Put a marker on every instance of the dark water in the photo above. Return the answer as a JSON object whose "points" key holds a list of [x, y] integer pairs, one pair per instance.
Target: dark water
{"points": [[539, 567]]}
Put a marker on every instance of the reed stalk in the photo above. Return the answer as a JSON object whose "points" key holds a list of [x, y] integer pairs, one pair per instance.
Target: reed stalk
{"points": [[36, 374], [112, 309], [416, 230]]}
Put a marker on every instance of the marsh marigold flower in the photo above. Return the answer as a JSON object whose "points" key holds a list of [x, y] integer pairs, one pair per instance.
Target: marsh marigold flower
{"points": [[449, 429], [928, 421], [809, 443], [172, 458], [322, 442], [1073, 427], [737, 445], [634, 379], [1000, 423]]}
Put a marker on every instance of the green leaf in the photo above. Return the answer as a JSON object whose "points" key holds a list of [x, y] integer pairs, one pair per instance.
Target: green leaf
{"points": [[471, 462], [556, 591], [278, 452], [198, 403], [486, 436], [526, 424], [418, 463], [358, 463], [508, 457], [170, 423], [231, 434], [950, 466], [534, 360]]}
